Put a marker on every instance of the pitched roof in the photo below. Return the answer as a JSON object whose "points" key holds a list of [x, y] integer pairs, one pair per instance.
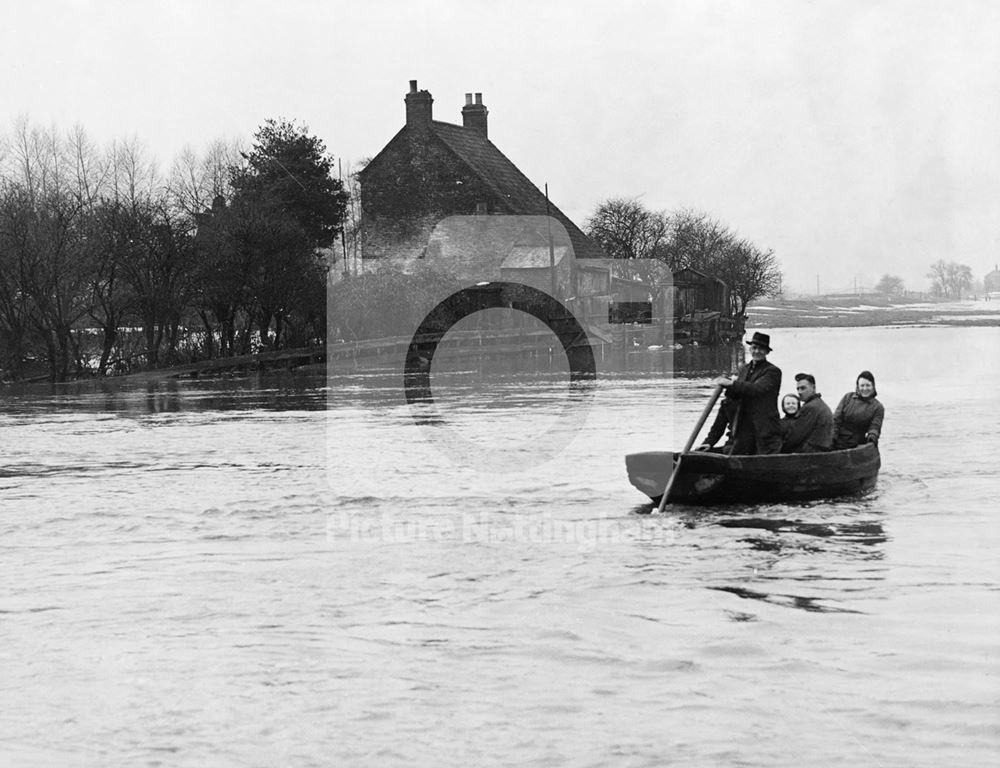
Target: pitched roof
{"points": [[508, 183], [682, 276]]}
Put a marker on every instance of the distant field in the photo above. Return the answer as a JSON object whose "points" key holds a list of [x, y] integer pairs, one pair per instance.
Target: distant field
{"points": [[841, 311]]}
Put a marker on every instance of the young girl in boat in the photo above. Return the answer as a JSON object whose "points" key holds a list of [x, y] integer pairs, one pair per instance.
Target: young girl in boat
{"points": [[858, 418], [790, 407]]}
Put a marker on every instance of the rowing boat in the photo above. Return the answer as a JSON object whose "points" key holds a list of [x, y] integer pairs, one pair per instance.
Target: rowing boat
{"points": [[711, 477]]}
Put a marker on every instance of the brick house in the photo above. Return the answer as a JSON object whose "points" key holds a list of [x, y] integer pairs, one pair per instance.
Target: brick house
{"points": [[431, 170]]}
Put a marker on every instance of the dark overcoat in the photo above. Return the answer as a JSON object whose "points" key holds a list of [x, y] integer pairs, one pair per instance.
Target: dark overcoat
{"points": [[812, 431], [723, 420], [857, 420], [758, 427]]}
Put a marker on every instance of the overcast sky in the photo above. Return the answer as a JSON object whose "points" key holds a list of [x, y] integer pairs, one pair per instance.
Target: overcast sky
{"points": [[853, 138]]}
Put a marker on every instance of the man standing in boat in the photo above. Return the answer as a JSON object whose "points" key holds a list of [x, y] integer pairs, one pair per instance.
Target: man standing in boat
{"points": [[755, 388], [812, 431]]}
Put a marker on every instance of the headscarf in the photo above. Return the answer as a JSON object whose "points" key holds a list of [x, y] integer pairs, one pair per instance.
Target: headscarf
{"points": [[866, 375], [798, 405]]}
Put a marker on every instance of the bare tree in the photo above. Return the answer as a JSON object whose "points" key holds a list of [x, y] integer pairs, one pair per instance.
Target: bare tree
{"points": [[636, 239], [112, 299], [627, 230], [196, 181], [17, 309], [631, 234], [749, 271], [90, 169], [697, 240], [950, 278], [44, 239], [890, 285], [350, 236], [108, 302]]}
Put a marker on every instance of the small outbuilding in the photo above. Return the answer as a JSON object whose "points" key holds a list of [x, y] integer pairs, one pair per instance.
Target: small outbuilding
{"points": [[991, 283], [533, 265], [701, 307]]}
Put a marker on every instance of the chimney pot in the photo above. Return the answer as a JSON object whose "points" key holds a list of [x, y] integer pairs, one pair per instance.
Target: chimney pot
{"points": [[419, 106], [474, 114]]}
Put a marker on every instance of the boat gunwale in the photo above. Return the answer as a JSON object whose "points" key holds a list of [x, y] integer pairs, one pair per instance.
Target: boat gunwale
{"points": [[830, 474]]}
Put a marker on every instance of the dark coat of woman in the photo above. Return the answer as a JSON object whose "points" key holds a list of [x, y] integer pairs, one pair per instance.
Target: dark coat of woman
{"points": [[788, 419], [758, 428], [858, 419]]}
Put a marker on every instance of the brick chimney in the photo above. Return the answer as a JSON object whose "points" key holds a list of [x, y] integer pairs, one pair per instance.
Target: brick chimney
{"points": [[418, 106], [474, 113]]}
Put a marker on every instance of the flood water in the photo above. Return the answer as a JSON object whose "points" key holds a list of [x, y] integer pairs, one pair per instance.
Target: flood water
{"points": [[291, 570]]}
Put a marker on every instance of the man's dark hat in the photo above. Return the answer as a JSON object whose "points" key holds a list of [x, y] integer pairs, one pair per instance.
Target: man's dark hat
{"points": [[761, 339]]}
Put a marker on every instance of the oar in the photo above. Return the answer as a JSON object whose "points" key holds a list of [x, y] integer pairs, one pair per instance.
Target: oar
{"points": [[694, 436]]}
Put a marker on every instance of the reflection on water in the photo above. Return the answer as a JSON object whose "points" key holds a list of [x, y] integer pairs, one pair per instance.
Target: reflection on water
{"points": [[686, 361], [868, 533], [790, 601], [281, 391], [692, 361], [286, 570]]}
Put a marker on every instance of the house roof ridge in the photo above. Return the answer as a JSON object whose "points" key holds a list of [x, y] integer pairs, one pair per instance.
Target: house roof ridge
{"points": [[458, 142]]}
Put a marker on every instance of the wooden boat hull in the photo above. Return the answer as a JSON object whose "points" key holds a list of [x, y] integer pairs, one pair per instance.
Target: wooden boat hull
{"points": [[714, 478]]}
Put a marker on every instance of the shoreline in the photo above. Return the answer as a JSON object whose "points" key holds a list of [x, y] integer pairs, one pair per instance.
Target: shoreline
{"points": [[871, 311], [821, 312]]}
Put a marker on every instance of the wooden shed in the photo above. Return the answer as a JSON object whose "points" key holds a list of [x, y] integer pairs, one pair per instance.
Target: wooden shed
{"points": [[695, 291], [701, 308]]}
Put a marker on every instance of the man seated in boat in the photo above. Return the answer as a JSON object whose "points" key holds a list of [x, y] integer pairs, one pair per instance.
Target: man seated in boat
{"points": [[812, 430], [756, 388]]}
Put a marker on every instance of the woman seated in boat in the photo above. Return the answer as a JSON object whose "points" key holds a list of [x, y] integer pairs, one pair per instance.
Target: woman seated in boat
{"points": [[790, 407], [858, 418]]}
